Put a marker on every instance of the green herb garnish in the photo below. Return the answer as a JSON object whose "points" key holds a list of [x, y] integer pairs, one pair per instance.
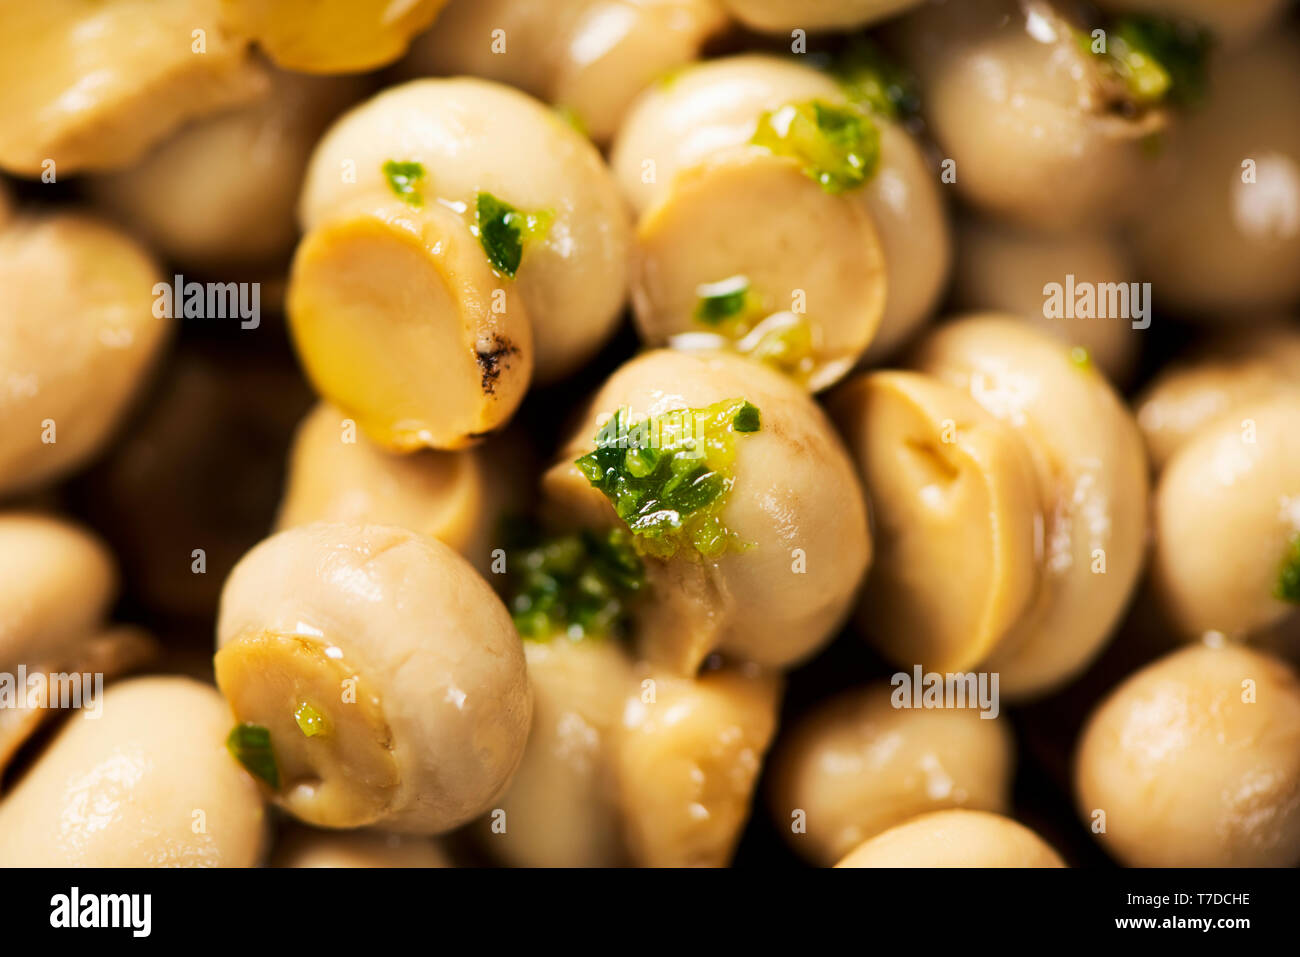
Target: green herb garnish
{"points": [[1079, 356], [1158, 60], [723, 300], [746, 419], [580, 585], [404, 181], [874, 81], [838, 147], [502, 231], [310, 721], [251, 746], [668, 476], [1288, 578]]}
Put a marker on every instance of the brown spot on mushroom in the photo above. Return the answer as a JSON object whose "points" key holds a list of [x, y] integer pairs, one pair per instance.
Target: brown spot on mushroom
{"points": [[492, 361]]}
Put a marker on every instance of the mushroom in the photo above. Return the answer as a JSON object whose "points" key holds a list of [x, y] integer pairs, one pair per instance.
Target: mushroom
{"points": [[57, 581], [1230, 255], [78, 333], [1004, 269], [332, 36], [1092, 476], [856, 766], [688, 756], [589, 58], [193, 204], [92, 85], [338, 475], [748, 242], [1044, 558], [430, 246], [302, 847], [753, 530], [374, 677], [148, 784], [1194, 761], [952, 488], [1227, 372], [955, 838], [627, 765], [562, 809], [1034, 127], [783, 16], [1227, 523]]}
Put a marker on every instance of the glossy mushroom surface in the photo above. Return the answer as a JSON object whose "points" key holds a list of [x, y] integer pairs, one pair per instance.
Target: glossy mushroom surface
{"points": [[131, 790], [1194, 761], [385, 676]]}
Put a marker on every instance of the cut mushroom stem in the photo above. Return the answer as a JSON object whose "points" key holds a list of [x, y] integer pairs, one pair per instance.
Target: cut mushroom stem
{"points": [[951, 488], [757, 215], [400, 320]]}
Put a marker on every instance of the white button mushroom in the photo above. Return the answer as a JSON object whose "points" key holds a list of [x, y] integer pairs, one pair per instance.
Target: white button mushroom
{"points": [[754, 547], [376, 679], [782, 16], [563, 808], [435, 262], [955, 838], [1003, 269], [958, 519], [588, 57], [148, 784], [56, 583], [1227, 371], [1227, 522], [1036, 128], [338, 475], [1232, 252], [91, 85], [687, 759], [78, 333], [1092, 486], [1195, 762], [856, 766], [803, 259], [195, 203]]}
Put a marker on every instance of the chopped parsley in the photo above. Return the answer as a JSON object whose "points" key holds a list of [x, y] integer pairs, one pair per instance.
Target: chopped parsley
{"points": [[1079, 357], [668, 476], [874, 81], [580, 585], [251, 746], [310, 721], [1158, 60], [502, 231], [1288, 578], [746, 418], [404, 181], [837, 147], [723, 300]]}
